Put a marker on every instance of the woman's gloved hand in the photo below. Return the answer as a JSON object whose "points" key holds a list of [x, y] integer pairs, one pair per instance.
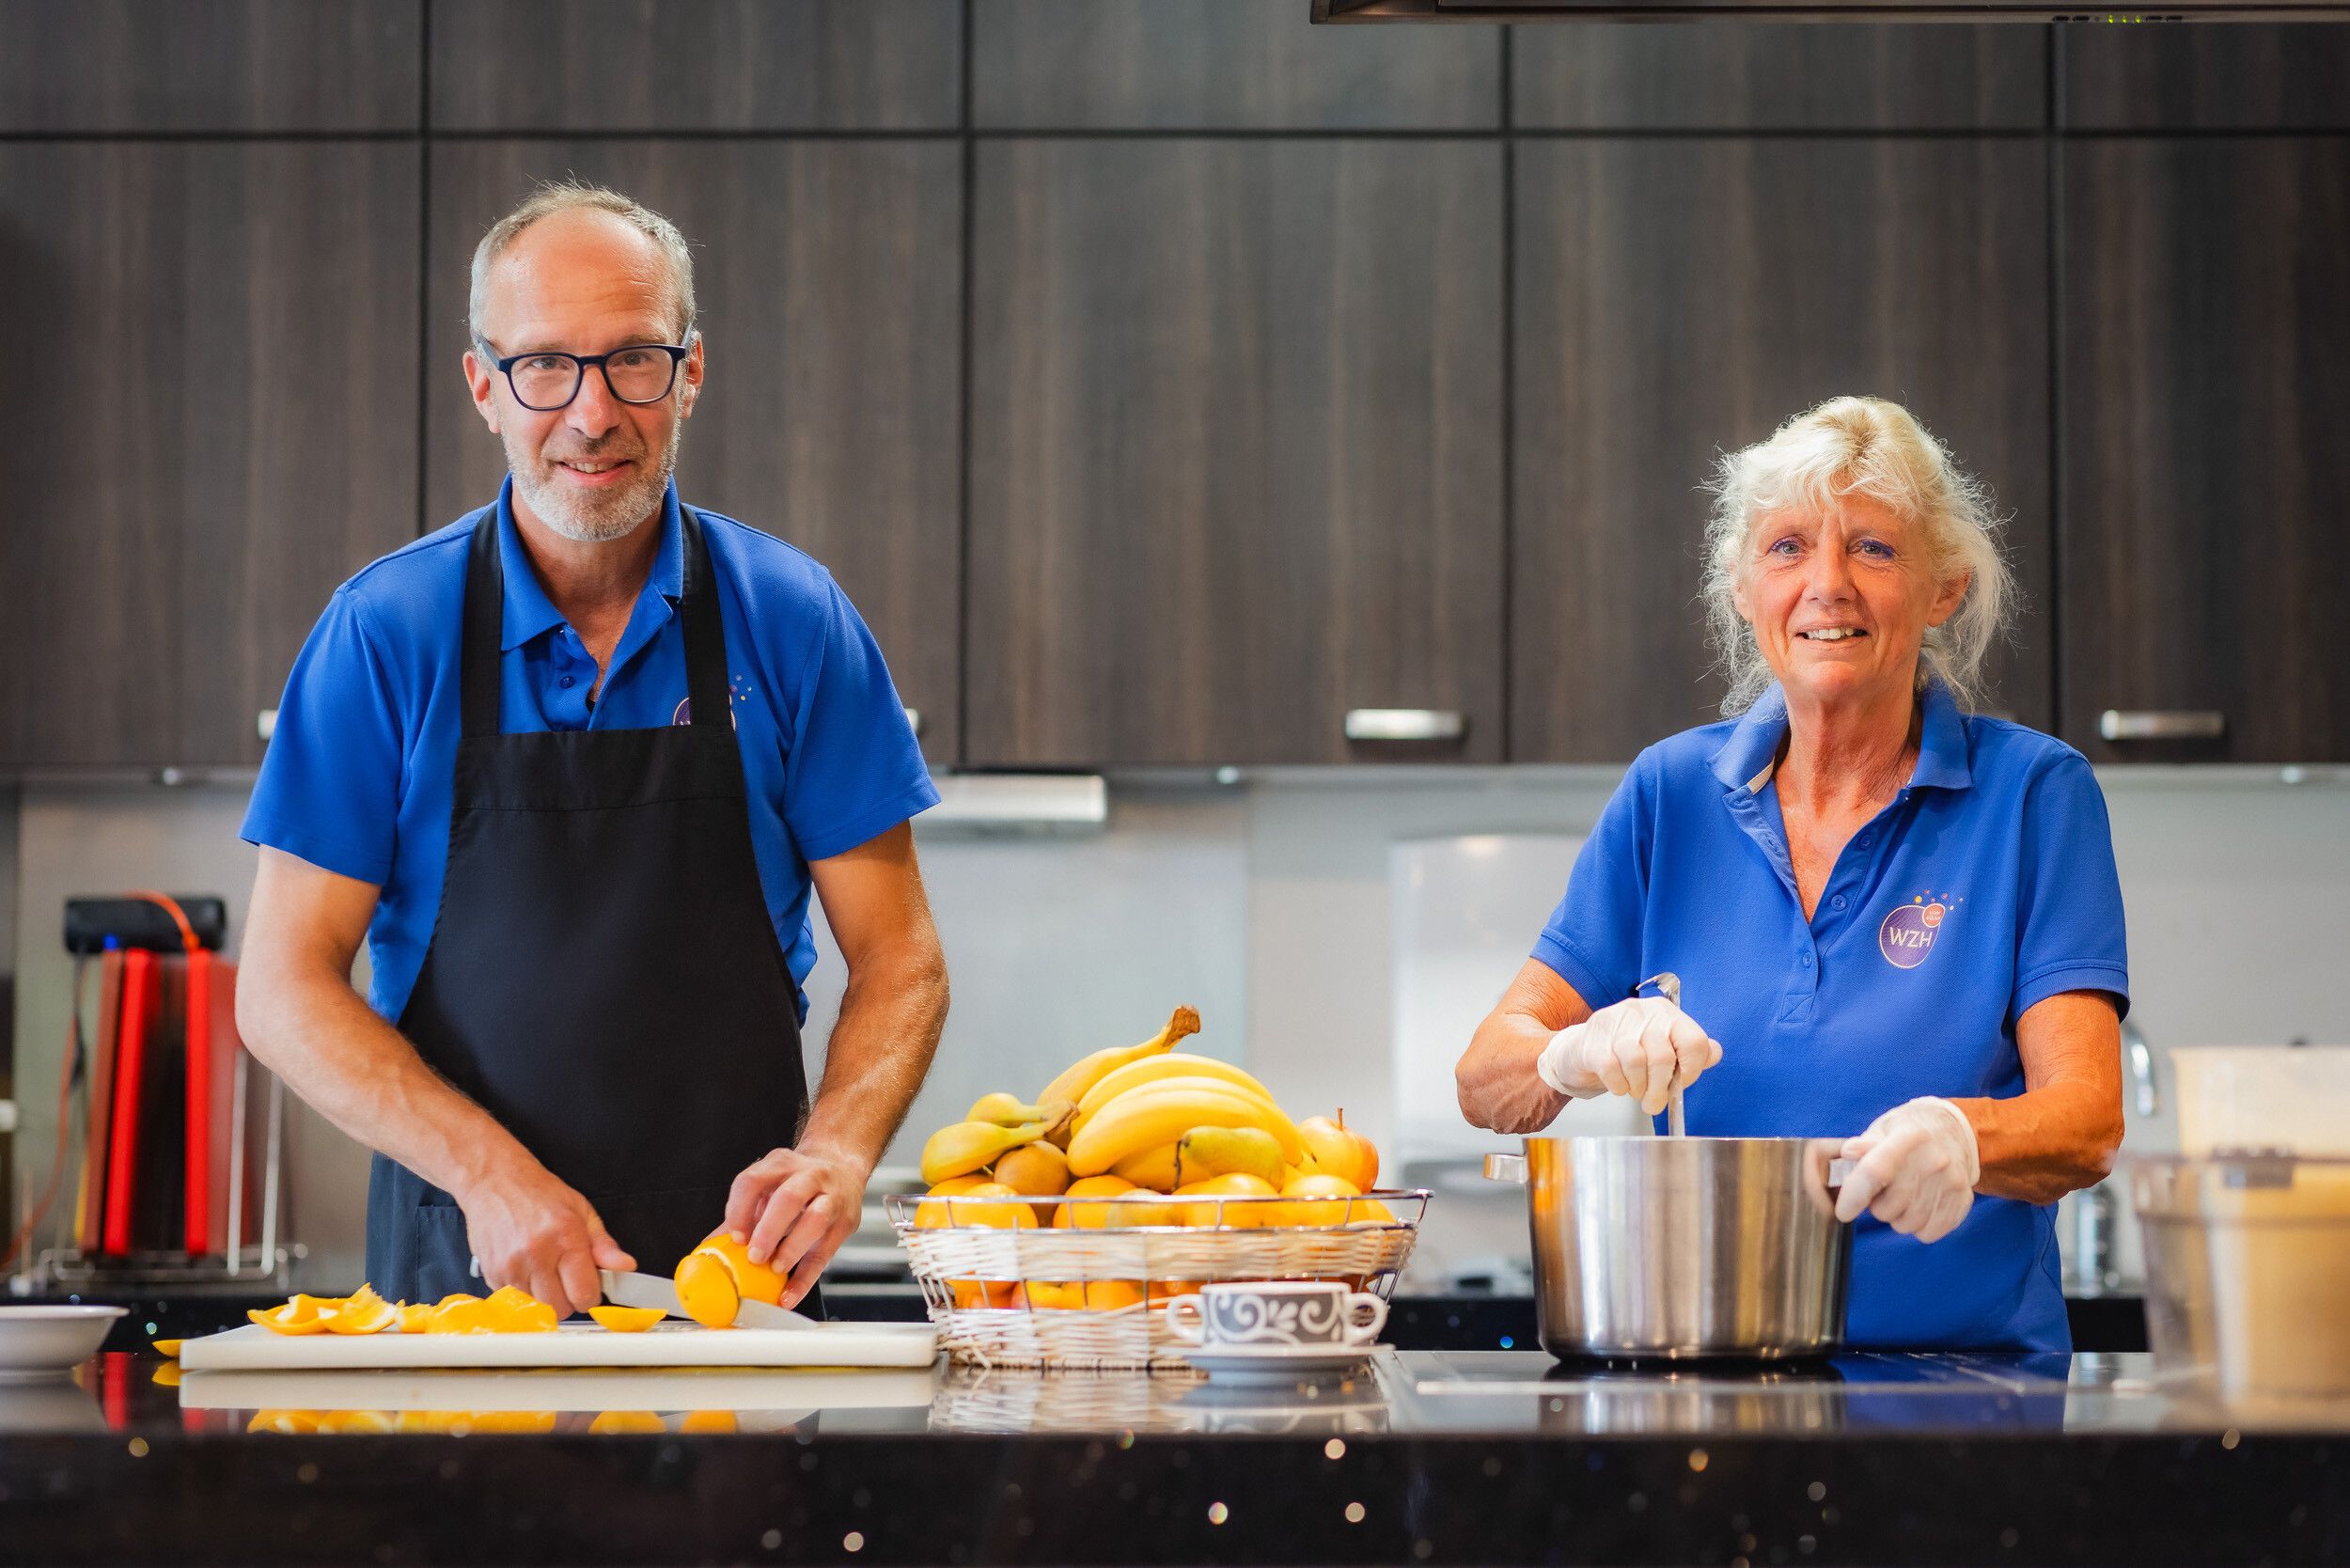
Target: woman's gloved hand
{"points": [[1635, 1048], [1917, 1169]]}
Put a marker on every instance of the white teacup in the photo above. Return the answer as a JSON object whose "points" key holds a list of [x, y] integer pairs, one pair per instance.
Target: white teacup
{"points": [[1276, 1314]]}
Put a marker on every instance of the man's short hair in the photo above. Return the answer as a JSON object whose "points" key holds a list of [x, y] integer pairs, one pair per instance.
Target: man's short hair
{"points": [[566, 195]]}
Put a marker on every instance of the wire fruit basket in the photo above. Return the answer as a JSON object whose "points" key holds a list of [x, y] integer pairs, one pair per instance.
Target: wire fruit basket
{"points": [[1088, 1292]]}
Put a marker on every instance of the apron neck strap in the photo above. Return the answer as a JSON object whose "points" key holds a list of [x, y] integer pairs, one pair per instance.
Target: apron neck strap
{"points": [[485, 626], [706, 680]]}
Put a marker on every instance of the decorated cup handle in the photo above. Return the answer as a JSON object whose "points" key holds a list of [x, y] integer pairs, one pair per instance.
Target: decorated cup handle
{"points": [[1366, 1315], [1184, 1321]]}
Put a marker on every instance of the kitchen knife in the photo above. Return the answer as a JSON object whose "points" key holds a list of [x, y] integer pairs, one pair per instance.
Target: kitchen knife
{"points": [[651, 1290]]}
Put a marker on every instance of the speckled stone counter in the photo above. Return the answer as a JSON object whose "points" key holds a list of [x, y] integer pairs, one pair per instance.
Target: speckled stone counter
{"points": [[1422, 1456]]}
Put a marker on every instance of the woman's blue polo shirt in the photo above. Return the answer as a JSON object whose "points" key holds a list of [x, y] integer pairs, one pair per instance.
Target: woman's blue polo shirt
{"points": [[359, 774], [1986, 887]]}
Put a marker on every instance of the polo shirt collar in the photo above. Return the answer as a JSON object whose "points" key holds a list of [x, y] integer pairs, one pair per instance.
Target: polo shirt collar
{"points": [[1748, 758], [529, 612]]}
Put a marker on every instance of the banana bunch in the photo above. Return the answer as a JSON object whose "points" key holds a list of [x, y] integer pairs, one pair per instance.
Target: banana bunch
{"points": [[1125, 1124]]}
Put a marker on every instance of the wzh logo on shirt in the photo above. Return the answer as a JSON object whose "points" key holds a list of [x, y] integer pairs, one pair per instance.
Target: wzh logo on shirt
{"points": [[1908, 933]]}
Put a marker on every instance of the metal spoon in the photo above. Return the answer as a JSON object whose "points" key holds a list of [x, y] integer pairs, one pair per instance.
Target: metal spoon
{"points": [[1668, 986]]}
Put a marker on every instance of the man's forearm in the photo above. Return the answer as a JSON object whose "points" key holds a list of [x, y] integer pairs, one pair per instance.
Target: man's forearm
{"points": [[331, 1048], [880, 1050]]}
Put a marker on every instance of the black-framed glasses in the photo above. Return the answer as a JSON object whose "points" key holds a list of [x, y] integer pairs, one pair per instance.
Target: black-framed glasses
{"points": [[548, 379]]}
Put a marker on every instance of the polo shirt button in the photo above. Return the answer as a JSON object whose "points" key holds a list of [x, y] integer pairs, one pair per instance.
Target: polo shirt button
{"points": [[1865, 840], [1807, 959], [1837, 901], [566, 680]]}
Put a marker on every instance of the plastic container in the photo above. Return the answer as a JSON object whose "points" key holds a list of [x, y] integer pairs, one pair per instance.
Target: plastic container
{"points": [[2248, 1272], [2294, 1098]]}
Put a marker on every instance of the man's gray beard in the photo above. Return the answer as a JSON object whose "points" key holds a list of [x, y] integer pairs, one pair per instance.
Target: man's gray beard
{"points": [[595, 517]]}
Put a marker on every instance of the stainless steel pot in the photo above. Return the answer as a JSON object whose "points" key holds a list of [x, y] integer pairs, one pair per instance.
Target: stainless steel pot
{"points": [[1684, 1247]]}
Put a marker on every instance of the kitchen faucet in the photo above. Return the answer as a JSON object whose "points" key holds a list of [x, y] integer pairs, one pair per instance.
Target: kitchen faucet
{"points": [[2141, 1058]]}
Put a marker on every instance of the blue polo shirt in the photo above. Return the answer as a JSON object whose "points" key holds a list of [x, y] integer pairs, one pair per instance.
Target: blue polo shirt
{"points": [[359, 774], [1986, 887]]}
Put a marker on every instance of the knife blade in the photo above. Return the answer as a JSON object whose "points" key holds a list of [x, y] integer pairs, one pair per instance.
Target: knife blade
{"points": [[651, 1290]]}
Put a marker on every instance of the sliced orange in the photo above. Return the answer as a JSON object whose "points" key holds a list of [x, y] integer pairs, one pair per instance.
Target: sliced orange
{"points": [[361, 1422], [627, 1320], [169, 1374], [708, 1420], [169, 1347], [303, 1314], [454, 1297], [362, 1312], [609, 1422], [415, 1318], [292, 1422]]}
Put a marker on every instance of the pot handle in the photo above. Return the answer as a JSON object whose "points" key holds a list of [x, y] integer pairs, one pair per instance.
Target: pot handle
{"points": [[1505, 1167], [1838, 1171]]}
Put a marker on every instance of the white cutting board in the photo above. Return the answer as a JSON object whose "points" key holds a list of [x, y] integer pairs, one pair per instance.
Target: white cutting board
{"points": [[670, 1344], [786, 1394]]}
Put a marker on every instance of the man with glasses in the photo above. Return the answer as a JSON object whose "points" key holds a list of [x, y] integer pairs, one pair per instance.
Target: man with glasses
{"points": [[572, 767]]}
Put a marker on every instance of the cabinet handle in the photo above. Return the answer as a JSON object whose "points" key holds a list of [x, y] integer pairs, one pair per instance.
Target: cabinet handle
{"points": [[913, 720], [265, 723], [2162, 724], [1405, 724]]}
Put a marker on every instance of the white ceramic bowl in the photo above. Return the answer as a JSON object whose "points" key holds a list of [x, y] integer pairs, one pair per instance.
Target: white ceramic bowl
{"points": [[42, 1341]]}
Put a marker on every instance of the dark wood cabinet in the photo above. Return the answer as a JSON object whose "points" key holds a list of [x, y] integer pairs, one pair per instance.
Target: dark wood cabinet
{"points": [[1680, 298], [211, 65], [215, 429], [1779, 76], [2205, 478], [606, 66], [1236, 448], [2242, 76], [1163, 65], [828, 277]]}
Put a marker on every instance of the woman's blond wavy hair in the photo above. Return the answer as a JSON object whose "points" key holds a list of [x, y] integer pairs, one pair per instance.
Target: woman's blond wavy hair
{"points": [[1860, 447]]}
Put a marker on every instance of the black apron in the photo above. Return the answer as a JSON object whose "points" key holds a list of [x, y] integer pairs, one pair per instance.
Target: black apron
{"points": [[604, 978]]}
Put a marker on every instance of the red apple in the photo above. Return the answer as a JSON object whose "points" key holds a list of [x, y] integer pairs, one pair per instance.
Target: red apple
{"points": [[1332, 1149]]}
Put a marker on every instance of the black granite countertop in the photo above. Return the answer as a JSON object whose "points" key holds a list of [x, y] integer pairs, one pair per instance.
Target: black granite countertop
{"points": [[1422, 1456], [2108, 1323]]}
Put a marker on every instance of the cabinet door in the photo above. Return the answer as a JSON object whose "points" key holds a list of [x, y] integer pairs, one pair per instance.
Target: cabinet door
{"points": [[1236, 438], [827, 274], [602, 65], [1721, 75], [2205, 332], [212, 425], [2243, 76], [211, 65], [1065, 65], [1680, 298]]}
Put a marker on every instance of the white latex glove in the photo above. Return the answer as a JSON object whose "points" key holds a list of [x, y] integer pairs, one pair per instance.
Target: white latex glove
{"points": [[1917, 1169], [1635, 1048]]}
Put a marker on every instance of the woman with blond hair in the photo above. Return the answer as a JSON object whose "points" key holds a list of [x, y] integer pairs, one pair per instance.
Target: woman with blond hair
{"points": [[1895, 922]]}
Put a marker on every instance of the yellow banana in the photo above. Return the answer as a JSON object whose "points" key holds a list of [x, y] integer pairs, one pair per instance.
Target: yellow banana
{"points": [[1206, 1152], [1152, 1168], [966, 1146], [1084, 1118], [1006, 1110], [1174, 1064], [1164, 1111], [1083, 1074]]}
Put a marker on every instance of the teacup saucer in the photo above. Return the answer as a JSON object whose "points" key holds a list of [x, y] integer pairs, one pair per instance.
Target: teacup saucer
{"points": [[1263, 1364]]}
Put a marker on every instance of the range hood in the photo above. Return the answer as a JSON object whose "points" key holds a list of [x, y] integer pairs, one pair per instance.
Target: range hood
{"points": [[1820, 11]]}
